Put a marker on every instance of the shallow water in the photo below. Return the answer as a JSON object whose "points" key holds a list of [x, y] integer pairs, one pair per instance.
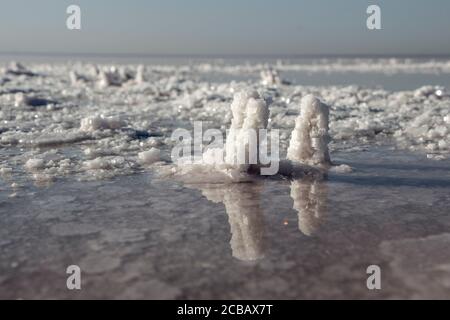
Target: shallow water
{"points": [[138, 236]]}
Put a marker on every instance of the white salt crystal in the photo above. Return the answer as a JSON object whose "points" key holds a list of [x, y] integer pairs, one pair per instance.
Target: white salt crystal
{"points": [[140, 75], [310, 138], [97, 164], [250, 114], [150, 156], [93, 123], [270, 77], [34, 164], [343, 168]]}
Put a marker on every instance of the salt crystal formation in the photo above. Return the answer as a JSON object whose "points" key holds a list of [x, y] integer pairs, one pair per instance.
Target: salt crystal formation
{"points": [[310, 138], [90, 124], [250, 114], [310, 198], [41, 111], [108, 78], [140, 79], [76, 79], [270, 77], [150, 156], [35, 164]]}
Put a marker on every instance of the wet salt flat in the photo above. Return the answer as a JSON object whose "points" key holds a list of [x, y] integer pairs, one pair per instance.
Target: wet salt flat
{"points": [[138, 236], [80, 184]]}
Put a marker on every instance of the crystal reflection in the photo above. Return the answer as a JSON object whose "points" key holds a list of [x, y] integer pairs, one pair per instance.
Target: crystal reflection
{"points": [[310, 199], [242, 204]]}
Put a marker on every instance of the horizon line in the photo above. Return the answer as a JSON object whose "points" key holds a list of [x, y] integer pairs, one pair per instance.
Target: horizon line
{"points": [[221, 56]]}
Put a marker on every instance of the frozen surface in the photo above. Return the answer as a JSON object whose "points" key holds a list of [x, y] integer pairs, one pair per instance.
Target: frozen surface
{"points": [[85, 152]]}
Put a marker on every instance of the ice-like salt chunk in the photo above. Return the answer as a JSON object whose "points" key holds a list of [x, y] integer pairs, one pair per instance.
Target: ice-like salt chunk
{"points": [[34, 164], [112, 77], [97, 164], [270, 77], [139, 78], [76, 78], [150, 156], [100, 123], [250, 114], [343, 168], [111, 163], [447, 119], [310, 138]]}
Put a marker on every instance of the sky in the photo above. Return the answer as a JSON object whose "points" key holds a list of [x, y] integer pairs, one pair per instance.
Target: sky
{"points": [[227, 27]]}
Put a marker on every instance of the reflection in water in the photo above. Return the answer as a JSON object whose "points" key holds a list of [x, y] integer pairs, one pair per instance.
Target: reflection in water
{"points": [[242, 204], [310, 197]]}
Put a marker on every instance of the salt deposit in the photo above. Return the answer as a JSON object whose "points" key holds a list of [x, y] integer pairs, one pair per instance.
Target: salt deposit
{"points": [[140, 79], [310, 138], [35, 164], [343, 168], [107, 78], [270, 77], [250, 114], [361, 65], [81, 122], [100, 123], [150, 156]]}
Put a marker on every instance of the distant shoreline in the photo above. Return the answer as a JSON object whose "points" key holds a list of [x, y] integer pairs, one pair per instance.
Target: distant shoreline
{"points": [[223, 56]]}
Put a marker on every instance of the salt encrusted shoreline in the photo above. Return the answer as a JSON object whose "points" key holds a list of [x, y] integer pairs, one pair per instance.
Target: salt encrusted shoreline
{"points": [[80, 118]]}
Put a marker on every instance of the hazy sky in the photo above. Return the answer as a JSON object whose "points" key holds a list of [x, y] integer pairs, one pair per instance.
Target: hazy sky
{"points": [[241, 27]]}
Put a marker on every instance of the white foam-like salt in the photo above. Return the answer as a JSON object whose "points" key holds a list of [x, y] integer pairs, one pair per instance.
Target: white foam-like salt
{"points": [[175, 96], [270, 77], [150, 156], [101, 122], [35, 164], [310, 138]]}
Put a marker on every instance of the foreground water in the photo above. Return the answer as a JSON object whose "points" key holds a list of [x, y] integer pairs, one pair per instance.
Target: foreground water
{"points": [[138, 236], [74, 192]]}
